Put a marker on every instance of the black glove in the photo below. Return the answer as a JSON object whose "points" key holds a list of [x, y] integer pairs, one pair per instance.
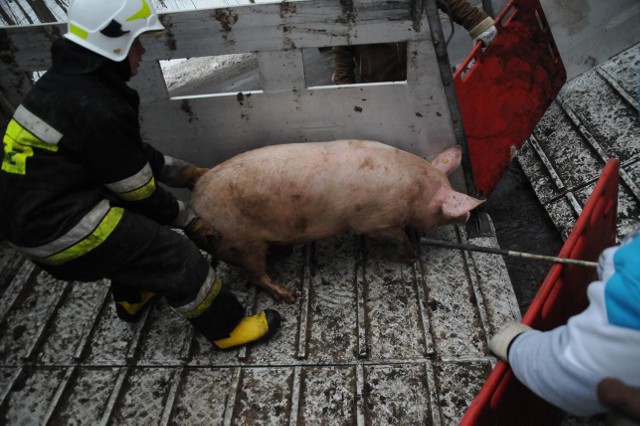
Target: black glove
{"points": [[203, 235], [177, 173]]}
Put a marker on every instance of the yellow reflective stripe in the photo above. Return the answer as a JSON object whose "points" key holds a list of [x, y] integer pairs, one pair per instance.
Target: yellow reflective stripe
{"points": [[141, 193], [15, 156], [74, 29], [24, 132], [91, 241], [23, 136], [143, 13], [208, 292], [79, 232], [136, 187]]}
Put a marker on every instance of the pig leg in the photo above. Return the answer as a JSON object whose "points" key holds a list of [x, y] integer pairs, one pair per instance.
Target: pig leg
{"points": [[277, 291], [399, 237], [253, 260]]}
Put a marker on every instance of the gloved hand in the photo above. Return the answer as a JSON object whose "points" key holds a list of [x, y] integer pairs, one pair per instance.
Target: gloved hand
{"points": [[499, 344], [177, 173], [203, 235], [487, 36]]}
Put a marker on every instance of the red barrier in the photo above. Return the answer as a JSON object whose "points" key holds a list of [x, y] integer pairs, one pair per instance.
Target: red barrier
{"points": [[503, 400], [504, 90]]}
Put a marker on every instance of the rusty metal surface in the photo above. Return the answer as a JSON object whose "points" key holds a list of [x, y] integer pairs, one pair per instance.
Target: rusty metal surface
{"points": [[594, 118], [370, 341]]}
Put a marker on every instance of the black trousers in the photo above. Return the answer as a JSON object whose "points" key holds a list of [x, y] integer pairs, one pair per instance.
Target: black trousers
{"points": [[140, 254]]}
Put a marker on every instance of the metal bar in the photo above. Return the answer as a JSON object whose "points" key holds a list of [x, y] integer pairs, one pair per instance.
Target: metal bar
{"points": [[185, 348], [487, 6], [619, 89], [115, 394], [510, 253], [360, 384], [4, 396], [361, 300], [39, 335], [588, 137], [249, 302], [84, 339], [16, 287], [132, 350], [472, 274], [434, 403], [571, 198], [171, 398], [421, 300], [232, 395], [431, 9], [55, 401], [296, 395], [303, 320]]}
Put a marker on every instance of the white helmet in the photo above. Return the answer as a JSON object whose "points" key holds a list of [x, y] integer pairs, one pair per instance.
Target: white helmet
{"points": [[109, 27]]}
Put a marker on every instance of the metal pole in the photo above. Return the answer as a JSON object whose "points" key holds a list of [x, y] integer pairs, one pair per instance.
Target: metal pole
{"points": [[440, 47], [488, 7], [510, 253]]}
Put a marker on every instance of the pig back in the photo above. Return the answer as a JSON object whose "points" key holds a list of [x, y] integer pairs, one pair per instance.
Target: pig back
{"points": [[299, 192]]}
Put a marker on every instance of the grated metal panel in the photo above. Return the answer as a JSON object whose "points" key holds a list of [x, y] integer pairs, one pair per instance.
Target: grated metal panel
{"points": [[595, 117], [369, 341]]}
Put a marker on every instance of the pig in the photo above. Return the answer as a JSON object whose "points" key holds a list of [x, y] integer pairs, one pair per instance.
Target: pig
{"points": [[295, 193]]}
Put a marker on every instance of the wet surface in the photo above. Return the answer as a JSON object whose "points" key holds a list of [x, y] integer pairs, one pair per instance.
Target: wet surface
{"points": [[522, 224], [369, 341], [594, 118]]}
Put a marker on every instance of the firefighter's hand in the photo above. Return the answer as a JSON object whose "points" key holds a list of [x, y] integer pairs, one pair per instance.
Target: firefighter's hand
{"points": [[499, 344], [487, 36], [623, 400], [177, 173], [192, 175], [203, 235]]}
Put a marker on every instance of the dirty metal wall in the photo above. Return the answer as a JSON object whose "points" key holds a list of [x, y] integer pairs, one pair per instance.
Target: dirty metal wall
{"points": [[208, 128]]}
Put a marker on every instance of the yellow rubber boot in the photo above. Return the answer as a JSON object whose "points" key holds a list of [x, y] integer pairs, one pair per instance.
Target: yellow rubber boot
{"points": [[130, 310], [255, 328]]}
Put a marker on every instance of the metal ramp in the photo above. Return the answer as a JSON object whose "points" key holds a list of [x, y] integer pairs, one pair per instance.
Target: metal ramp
{"points": [[370, 341], [595, 117]]}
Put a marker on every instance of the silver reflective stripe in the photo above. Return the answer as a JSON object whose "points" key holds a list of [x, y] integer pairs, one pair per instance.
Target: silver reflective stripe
{"points": [[84, 228], [202, 294], [132, 183], [37, 126]]}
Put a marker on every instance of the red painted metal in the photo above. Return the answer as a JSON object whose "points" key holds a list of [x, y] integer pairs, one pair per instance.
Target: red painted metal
{"points": [[503, 400], [504, 90]]}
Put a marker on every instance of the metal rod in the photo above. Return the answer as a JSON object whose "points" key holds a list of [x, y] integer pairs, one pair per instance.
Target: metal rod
{"points": [[511, 253]]}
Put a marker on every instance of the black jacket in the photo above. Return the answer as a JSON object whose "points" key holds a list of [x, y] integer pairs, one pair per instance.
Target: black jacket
{"points": [[74, 142]]}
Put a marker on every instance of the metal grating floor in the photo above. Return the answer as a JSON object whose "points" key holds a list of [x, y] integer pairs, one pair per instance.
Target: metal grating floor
{"points": [[595, 117], [370, 341]]}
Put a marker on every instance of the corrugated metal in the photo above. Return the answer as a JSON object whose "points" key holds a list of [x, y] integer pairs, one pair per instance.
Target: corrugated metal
{"points": [[594, 118], [370, 341]]}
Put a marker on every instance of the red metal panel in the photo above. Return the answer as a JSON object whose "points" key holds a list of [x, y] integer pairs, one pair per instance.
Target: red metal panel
{"points": [[503, 400], [505, 89]]}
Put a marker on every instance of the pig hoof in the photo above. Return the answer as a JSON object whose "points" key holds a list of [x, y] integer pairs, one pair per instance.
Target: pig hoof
{"points": [[290, 297], [283, 294]]}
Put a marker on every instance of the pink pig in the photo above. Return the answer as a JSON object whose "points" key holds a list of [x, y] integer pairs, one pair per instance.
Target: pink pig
{"points": [[295, 193]]}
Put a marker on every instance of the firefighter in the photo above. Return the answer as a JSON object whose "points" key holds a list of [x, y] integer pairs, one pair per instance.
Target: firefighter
{"points": [[582, 365], [79, 188], [388, 61]]}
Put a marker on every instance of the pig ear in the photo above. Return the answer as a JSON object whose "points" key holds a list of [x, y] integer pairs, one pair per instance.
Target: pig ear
{"points": [[457, 204], [448, 160]]}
